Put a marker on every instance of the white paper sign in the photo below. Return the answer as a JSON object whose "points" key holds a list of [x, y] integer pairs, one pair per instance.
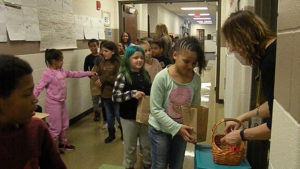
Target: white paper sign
{"points": [[31, 24], [3, 37], [14, 23]]}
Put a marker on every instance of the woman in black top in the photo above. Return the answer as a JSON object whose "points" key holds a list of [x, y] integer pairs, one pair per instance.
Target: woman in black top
{"points": [[248, 35]]}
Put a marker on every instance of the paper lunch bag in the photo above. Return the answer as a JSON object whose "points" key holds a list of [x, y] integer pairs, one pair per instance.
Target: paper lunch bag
{"points": [[196, 117], [143, 110]]}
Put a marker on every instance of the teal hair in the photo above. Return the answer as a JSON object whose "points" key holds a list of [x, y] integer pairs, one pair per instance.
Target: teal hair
{"points": [[125, 63]]}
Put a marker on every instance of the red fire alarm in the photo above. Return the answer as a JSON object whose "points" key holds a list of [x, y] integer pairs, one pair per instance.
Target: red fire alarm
{"points": [[197, 15], [98, 4]]}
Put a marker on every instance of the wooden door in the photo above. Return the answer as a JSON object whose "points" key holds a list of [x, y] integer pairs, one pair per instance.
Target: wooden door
{"points": [[201, 33], [130, 23]]}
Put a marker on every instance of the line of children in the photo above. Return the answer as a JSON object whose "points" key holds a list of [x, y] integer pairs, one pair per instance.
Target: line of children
{"points": [[132, 83], [122, 86], [54, 80], [25, 142], [108, 71], [157, 48], [151, 64], [175, 86]]}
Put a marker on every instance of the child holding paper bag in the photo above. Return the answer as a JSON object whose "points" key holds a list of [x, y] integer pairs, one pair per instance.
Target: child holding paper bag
{"points": [[174, 87], [132, 84]]}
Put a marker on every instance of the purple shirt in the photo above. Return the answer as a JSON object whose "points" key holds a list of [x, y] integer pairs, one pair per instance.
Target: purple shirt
{"points": [[55, 83]]}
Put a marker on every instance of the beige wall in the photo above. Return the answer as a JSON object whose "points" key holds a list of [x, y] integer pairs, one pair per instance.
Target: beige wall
{"points": [[285, 139], [159, 14], [142, 18], [210, 45]]}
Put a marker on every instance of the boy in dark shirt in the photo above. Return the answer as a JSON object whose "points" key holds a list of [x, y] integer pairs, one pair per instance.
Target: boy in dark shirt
{"points": [[25, 142], [89, 63], [157, 48]]}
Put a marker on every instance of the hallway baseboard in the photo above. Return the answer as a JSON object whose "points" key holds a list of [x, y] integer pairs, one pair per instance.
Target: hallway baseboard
{"points": [[80, 116]]}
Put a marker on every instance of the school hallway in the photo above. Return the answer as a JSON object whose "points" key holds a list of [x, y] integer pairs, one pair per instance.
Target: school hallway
{"points": [[88, 137]]}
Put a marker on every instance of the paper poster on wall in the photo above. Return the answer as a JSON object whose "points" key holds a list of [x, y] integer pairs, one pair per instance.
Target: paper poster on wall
{"points": [[13, 1], [31, 24], [3, 37], [31, 3], [56, 5], [79, 27], [90, 29], [57, 30], [67, 5], [44, 3], [14, 23], [106, 18]]}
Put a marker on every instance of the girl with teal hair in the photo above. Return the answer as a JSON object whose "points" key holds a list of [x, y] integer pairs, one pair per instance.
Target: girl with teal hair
{"points": [[131, 85]]}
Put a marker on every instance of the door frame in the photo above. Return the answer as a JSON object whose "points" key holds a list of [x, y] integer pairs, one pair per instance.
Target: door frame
{"points": [[121, 29]]}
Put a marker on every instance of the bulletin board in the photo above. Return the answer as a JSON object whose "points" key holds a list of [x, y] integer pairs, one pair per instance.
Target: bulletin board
{"points": [[43, 24]]}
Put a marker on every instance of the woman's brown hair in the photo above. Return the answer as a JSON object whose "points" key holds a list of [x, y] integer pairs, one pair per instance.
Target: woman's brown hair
{"points": [[246, 31]]}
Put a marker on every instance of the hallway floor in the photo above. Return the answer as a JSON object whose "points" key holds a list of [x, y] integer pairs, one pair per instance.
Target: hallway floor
{"points": [[88, 137]]}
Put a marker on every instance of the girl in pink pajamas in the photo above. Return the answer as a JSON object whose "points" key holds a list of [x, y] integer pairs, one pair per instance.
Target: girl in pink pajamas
{"points": [[54, 80]]}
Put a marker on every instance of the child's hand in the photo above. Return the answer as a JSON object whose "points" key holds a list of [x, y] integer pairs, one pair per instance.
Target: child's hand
{"points": [[139, 95], [98, 83], [94, 74], [185, 131]]}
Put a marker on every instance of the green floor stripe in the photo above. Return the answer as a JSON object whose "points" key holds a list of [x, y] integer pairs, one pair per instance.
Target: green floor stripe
{"points": [[106, 166]]}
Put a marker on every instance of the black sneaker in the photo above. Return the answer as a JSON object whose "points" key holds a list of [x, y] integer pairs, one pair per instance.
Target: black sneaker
{"points": [[96, 118], [61, 151], [67, 146], [109, 139]]}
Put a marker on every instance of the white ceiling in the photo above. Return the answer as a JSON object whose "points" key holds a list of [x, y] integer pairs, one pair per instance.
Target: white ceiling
{"points": [[175, 8]]}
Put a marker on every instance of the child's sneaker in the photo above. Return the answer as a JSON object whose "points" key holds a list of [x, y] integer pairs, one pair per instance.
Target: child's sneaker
{"points": [[104, 126], [67, 146], [109, 139], [61, 151]]}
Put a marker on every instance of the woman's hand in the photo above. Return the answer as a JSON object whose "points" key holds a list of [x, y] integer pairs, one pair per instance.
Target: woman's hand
{"points": [[94, 75], [232, 138], [185, 131], [231, 125], [139, 95]]}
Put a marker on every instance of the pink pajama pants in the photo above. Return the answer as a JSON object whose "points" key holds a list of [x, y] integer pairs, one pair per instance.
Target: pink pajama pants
{"points": [[58, 119]]}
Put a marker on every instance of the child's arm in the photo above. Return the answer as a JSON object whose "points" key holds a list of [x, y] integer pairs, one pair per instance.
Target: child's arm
{"points": [[77, 74], [118, 95], [158, 92], [44, 81]]}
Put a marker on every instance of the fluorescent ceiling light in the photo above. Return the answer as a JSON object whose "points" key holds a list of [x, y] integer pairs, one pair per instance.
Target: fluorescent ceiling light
{"points": [[202, 18], [201, 14], [204, 14], [204, 22], [194, 8]]}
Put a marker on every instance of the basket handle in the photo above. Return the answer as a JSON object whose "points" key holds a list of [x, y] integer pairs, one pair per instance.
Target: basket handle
{"points": [[224, 120]]}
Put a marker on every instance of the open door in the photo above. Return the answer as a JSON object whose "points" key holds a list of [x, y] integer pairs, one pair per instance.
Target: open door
{"points": [[130, 23]]}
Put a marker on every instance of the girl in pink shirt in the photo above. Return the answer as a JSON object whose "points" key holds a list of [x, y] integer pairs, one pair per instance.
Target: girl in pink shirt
{"points": [[54, 80]]}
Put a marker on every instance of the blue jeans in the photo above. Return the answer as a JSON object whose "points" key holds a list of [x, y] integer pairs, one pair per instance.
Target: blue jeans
{"points": [[166, 150], [112, 111]]}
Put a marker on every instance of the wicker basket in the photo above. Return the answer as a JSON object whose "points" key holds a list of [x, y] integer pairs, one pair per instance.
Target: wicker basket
{"points": [[222, 153]]}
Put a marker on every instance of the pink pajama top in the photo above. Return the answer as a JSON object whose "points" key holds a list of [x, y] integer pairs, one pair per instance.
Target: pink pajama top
{"points": [[55, 83]]}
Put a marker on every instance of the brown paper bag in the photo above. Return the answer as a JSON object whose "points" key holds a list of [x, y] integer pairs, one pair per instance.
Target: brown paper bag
{"points": [[196, 117], [95, 90], [143, 110]]}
